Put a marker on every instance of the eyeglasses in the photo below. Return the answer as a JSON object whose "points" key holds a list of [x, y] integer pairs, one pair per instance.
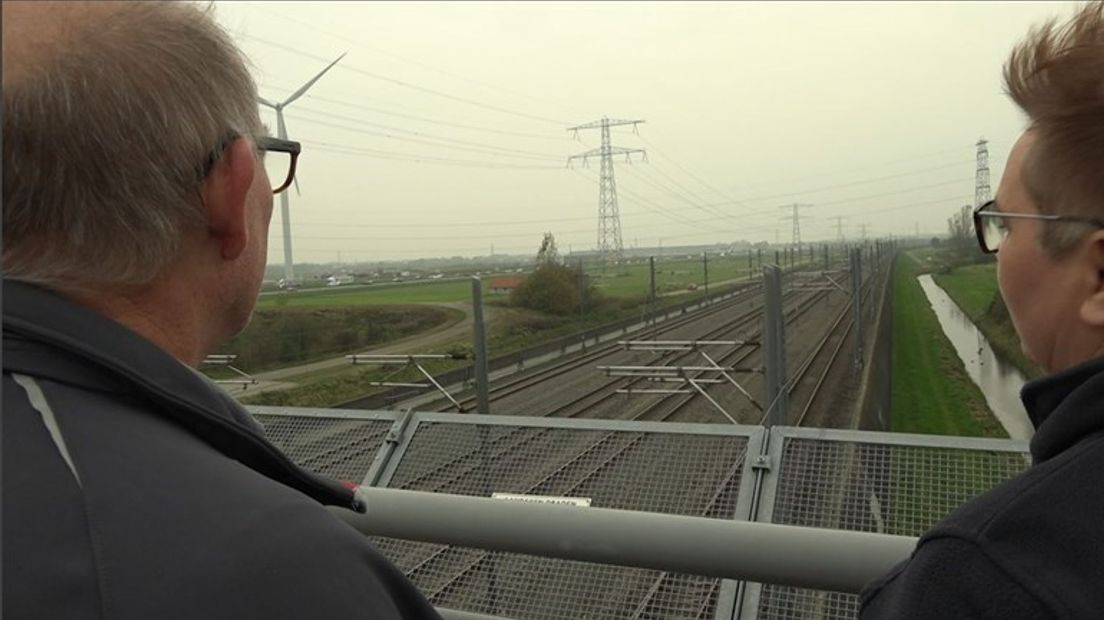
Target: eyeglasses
{"points": [[280, 158], [991, 228]]}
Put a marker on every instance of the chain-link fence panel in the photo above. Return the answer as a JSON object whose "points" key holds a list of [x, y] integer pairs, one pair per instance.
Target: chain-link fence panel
{"points": [[683, 473], [866, 484], [338, 445]]}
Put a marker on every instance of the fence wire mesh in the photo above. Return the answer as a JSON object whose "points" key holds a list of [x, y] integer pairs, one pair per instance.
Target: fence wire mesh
{"points": [[667, 472], [870, 487], [337, 447]]}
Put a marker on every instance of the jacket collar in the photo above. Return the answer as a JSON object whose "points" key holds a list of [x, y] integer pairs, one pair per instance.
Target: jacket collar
{"points": [[1065, 407], [101, 354]]}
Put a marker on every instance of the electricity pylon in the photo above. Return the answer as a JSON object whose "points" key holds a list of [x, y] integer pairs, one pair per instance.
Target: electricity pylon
{"points": [[981, 180], [609, 218]]}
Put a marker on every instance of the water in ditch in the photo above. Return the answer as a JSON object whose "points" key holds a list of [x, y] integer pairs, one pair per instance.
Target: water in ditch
{"points": [[999, 381]]}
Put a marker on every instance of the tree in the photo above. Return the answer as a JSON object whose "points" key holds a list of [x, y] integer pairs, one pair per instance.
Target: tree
{"points": [[961, 228], [547, 254], [550, 288]]}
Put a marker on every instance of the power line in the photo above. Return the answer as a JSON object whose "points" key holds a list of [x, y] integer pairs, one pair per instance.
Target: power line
{"points": [[360, 43], [428, 136], [471, 149], [434, 121], [397, 82], [420, 159], [662, 188], [650, 206], [688, 173]]}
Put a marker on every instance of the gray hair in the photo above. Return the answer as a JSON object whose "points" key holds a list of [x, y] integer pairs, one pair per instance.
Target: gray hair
{"points": [[106, 136]]}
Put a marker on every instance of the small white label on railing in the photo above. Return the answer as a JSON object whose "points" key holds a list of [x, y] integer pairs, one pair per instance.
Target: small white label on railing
{"points": [[583, 502]]}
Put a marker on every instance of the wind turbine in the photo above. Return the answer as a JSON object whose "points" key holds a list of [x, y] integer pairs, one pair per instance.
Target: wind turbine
{"points": [[281, 129]]}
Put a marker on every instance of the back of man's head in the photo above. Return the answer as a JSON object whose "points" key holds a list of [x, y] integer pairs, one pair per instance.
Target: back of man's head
{"points": [[112, 113]]}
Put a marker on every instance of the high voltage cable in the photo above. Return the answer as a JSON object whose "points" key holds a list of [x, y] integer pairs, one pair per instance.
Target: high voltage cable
{"points": [[426, 119], [358, 121], [673, 236], [452, 224], [413, 62], [688, 173], [481, 150], [348, 67], [661, 188], [693, 198], [655, 209], [420, 159], [511, 249], [957, 149], [646, 204], [860, 182]]}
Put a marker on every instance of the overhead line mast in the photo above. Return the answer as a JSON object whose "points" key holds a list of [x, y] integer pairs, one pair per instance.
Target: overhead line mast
{"points": [[610, 246]]}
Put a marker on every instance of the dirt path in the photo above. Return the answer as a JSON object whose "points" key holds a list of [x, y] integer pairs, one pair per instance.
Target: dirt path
{"points": [[415, 343]]}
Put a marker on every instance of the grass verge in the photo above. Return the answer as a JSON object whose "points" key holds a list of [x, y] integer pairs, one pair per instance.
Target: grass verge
{"points": [[932, 393], [974, 289]]}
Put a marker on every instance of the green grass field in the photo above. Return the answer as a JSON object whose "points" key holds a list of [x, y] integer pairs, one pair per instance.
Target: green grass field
{"points": [[931, 391], [622, 281], [973, 287], [377, 294]]}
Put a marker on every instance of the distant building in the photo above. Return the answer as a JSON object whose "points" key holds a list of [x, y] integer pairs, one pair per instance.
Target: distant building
{"points": [[504, 284]]}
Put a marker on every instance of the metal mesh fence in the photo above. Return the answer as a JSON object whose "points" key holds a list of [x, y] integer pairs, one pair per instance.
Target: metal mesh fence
{"points": [[337, 447], [891, 489], [674, 473]]}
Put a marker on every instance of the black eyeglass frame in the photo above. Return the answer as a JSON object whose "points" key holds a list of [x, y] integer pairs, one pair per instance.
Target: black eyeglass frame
{"points": [[263, 144], [985, 210]]}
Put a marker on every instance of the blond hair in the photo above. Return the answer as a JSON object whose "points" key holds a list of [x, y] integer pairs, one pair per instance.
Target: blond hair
{"points": [[1056, 76], [107, 130]]}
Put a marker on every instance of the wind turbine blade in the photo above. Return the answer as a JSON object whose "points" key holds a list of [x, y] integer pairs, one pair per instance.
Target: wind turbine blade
{"points": [[304, 87], [266, 102]]}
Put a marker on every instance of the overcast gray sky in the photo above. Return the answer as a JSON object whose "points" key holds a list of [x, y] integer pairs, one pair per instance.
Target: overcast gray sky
{"points": [[443, 131]]}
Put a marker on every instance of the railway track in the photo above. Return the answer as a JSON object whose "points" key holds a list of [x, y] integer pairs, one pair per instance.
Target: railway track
{"points": [[598, 463]]}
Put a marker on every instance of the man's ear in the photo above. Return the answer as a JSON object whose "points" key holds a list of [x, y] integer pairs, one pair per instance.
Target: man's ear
{"points": [[1092, 308], [225, 192]]}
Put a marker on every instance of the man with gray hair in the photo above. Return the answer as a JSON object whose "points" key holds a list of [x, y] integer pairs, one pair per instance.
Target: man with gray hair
{"points": [[136, 214]]}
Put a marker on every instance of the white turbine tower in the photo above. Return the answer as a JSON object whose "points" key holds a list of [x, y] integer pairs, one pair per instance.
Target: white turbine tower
{"points": [[281, 129]]}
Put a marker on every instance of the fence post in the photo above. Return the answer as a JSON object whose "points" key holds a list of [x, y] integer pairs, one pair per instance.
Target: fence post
{"points": [[651, 286], [705, 268], [483, 403], [856, 303], [582, 293], [774, 351]]}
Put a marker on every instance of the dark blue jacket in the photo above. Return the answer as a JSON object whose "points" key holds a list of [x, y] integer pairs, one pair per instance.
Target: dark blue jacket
{"points": [[134, 489], [1034, 546]]}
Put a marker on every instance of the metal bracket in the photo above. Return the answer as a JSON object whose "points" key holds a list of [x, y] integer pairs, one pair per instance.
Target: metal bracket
{"points": [[405, 361], [762, 462], [227, 360]]}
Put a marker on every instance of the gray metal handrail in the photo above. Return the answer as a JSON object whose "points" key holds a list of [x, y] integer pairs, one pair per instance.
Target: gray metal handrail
{"points": [[822, 559]]}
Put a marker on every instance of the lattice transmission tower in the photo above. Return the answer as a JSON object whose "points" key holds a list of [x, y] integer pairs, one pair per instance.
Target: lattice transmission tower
{"points": [[796, 239], [609, 218], [981, 180]]}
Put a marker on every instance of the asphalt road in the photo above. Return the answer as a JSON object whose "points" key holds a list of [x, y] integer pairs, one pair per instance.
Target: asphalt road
{"points": [[284, 378]]}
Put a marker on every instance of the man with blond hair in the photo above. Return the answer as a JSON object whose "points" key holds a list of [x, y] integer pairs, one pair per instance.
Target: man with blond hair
{"points": [[135, 223], [1034, 546]]}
